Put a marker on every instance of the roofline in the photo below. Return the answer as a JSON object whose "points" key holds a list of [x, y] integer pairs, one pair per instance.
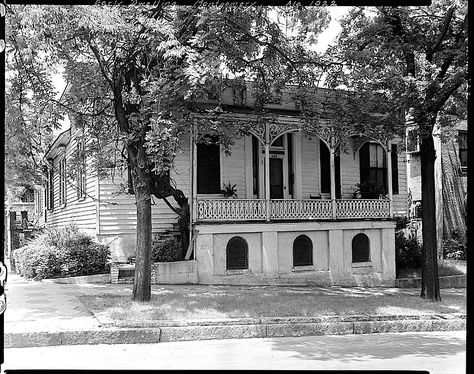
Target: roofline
{"points": [[65, 135]]}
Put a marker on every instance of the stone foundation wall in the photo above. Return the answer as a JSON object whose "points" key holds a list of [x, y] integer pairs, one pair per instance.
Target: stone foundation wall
{"points": [[179, 272]]}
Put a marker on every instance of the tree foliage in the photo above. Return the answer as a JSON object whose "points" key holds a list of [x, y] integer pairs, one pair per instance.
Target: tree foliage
{"points": [[416, 57], [135, 74]]}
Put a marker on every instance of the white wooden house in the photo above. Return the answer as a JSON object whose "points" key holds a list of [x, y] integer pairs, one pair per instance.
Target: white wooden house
{"points": [[294, 220]]}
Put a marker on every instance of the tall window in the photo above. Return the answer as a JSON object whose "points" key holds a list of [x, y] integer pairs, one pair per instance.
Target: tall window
{"points": [[255, 165], [395, 189], [302, 251], [373, 164], [208, 167], [237, 254], [81, 170], [463, 148], [62, 181], [50, 189], [360, 248]]}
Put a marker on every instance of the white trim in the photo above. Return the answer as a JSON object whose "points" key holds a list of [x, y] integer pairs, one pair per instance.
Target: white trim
{"points": [[230, 228], [296, 269], [364, 264]]}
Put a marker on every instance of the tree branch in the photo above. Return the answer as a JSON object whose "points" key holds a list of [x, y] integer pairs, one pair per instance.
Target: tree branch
{"points": [[447, 21]]}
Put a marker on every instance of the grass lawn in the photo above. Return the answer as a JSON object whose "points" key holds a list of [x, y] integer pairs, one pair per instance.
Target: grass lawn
{"points": [[213, 302]]}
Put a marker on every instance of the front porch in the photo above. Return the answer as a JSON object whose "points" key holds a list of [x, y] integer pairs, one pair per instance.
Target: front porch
{"points": [[215, 210]]}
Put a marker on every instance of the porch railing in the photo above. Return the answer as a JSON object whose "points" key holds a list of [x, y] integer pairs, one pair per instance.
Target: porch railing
{"points": [[300, 209], [232, 210], [362, 208], [256, 209]]}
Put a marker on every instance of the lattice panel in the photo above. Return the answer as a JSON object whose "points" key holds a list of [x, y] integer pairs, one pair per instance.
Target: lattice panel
{"points": [[231, 210], [301, 209], [363, 208]]}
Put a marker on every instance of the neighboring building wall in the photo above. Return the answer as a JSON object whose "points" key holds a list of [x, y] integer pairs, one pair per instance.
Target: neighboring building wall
{"points": [[82, 211], [270, 256]]}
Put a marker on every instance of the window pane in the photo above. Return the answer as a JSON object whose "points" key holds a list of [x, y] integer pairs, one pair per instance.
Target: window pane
{"points": [[373, 155], [380, 156]]}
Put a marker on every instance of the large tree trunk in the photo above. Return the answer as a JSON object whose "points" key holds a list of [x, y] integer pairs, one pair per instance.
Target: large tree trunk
{"points": [[430, 282], [141, 184], [453, 193]]}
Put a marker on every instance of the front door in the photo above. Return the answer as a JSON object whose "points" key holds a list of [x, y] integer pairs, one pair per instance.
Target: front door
{"points": [[276, 178]]}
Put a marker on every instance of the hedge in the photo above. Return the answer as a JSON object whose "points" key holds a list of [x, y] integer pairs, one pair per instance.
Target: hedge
{"points": [[62, 252]]}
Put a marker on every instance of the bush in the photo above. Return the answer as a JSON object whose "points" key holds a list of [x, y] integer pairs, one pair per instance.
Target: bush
{"points": [[369, 190], [454, 248], [167, 251], [407, 252], [60, 253]]}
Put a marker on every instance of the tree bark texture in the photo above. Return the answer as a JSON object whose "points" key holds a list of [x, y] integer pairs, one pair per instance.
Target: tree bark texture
{"points": [[453, 192], [430, 281], [141, 183]]}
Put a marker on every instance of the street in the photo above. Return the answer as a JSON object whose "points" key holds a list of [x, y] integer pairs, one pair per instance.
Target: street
{"points": [[436, 352]]}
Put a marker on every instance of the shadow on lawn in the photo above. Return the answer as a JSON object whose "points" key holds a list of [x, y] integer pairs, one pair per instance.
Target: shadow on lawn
{"points": [[179, 303], [387, 346]]}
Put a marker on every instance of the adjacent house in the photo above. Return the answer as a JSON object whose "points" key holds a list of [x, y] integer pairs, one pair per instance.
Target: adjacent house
{"points": [[294, 219], [450, 179]]}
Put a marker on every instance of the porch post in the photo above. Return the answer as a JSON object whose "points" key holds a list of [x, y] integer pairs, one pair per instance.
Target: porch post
{"points": [[267, 170], [389, 177], [194, 174], [333, 178], [192, 187]]}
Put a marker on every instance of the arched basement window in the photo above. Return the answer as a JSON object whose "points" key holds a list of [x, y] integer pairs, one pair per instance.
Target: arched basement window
{"points": [[237, 254], [360, 248], [302, 251]]}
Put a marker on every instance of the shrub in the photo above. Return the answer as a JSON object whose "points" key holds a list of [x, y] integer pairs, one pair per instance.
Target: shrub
{"points": [[369, 190], [454, 248], [61, 252], [407, 252], [168, 251]]}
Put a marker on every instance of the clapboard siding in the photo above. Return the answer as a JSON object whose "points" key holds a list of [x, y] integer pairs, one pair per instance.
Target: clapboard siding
{"points": [[310, 166], [180, 173], [118, 212], [82, 212], [233, 167]]}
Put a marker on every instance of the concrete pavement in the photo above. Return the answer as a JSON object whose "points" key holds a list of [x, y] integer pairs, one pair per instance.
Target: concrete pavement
{"points": [[435, 352], [47, 314]]}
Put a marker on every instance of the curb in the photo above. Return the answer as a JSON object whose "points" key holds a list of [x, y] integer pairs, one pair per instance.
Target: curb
{"points": [[81, 279], [240, 329]]}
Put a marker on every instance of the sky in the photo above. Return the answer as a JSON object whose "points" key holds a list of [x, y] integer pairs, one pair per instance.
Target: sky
{"points": [[326, 38]]}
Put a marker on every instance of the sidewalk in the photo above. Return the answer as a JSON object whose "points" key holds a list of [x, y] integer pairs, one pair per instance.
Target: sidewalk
{"points": [[46, 313]]}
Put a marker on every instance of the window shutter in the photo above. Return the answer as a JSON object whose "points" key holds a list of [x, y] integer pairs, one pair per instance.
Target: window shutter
{"points": [[302, 251], [337, 162], [395, 190], [364, 163], [325, 167], [237, 254], [208, 168]]}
